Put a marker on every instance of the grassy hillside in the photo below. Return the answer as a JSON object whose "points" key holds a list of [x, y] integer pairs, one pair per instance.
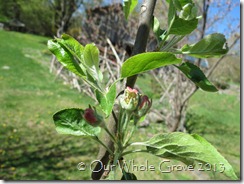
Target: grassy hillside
{"points": [[30, 148], [216, 117]]}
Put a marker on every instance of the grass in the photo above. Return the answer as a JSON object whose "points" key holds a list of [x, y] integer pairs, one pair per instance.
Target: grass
{"points": [[31, 149], [30, 146], [216, 117]]}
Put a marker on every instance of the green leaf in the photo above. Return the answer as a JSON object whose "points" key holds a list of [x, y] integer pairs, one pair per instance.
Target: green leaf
{"points": [[171, 14], [128, 176], [68, 52], [184, 2], [189, 12], [70, 121], [159, 33], [177, 25], [183, 27], [147, 61], [73, 45], [128, 7], [195, 74], [189, 149], [106, 101], [210, 46], [180, 3], [156, 25], [91, 59], [177, 4]]}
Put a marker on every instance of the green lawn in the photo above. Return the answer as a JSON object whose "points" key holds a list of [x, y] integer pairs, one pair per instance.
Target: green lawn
{"points": [[30, 148], [216, 117]]}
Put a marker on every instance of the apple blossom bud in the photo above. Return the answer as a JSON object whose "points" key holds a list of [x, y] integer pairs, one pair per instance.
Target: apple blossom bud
{"points": [[92, 117], [130, 99], [144, 106]]}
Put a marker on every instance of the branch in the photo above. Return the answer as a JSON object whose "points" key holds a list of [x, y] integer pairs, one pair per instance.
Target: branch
{"points": [[147, 9], [205, 18], [146, 15], [103, 154]]}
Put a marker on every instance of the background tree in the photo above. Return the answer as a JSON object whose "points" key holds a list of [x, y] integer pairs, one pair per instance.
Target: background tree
{"points": [[63, 12], [37, 17], [44, 17], [9, 10]]}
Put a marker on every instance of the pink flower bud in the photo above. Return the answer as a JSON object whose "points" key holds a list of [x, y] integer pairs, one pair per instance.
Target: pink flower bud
{"points": [[129, 100], [144, 106], [92, 117]]}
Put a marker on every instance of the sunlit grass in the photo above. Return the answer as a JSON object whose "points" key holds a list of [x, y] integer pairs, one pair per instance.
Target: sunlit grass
{"points": [[30, 146]]}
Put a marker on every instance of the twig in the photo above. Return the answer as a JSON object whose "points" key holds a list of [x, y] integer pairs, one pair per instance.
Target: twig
{"points": [[146, 15], [118, 61], [107, 65], [113, 49], [167, 91]]}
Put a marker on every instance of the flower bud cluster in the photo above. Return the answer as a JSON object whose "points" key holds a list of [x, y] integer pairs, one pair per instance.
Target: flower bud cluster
{"points": [[132, 101]]}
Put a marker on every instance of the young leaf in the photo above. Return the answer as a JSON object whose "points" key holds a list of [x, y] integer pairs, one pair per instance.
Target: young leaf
{"points": [[210, 46], [171, 14], [195, 74], [184, 2], [106, 101], [73, 45], [183, 27], [177, 25], [189, 148], [128, 7], [67, 52], [180, 3], [159, 33], [177, 4], [188, 12], [70, 121], [91, 59], [147, 61]]}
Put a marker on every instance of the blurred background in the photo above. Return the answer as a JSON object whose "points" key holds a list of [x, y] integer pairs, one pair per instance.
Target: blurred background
{"points": [[34, 86]]}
